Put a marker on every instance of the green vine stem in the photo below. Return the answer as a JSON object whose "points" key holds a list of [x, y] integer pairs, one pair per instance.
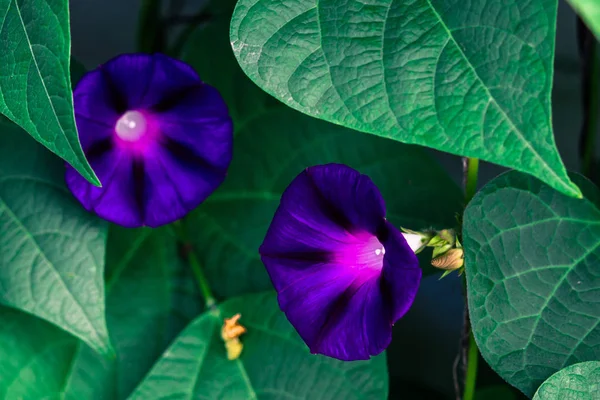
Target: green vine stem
{"points": [[471, 172], [472, 360], [192, 259]]}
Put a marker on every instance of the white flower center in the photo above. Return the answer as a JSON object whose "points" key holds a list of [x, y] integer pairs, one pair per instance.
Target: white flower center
{"points": [[131, 126]]}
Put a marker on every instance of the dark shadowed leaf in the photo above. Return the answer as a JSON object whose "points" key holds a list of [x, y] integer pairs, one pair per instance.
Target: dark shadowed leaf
{"points": [[532, 260], [275, 363]]}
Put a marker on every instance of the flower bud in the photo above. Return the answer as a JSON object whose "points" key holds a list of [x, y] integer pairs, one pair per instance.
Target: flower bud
{"points": [[416, 240], [452, 260]]}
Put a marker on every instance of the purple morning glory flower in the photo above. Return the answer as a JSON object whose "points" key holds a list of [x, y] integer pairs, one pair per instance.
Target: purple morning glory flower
{"points": [[159, 139], [344, 275]]}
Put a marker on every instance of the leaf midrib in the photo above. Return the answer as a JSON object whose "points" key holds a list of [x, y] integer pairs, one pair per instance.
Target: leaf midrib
{"points": [[31, 237], [520, 135], [39, 73]]}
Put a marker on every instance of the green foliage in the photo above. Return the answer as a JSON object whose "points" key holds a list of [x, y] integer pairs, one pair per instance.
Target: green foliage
{"points": [[34, 357], [274, 364], [150, 298], [577, 382], [468, 78], [532, 264], [52, 250], [35, 86], [589, 10]]}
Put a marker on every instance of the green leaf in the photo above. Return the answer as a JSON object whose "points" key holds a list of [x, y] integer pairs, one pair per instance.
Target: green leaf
{"points": [[35, 85], [270, 151], [577, 382], [150, 299], [532, 259], [34, 357], [589, 11], [274, 364], [469, 78], [51, 249]]}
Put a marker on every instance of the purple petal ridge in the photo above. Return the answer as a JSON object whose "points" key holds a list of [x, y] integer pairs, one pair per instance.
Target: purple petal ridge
{"points": [[343, 274], [159, 139]]}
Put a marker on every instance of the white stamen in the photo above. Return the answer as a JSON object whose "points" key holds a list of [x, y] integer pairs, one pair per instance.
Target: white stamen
{"points": [[131, 126], [377, 251]]}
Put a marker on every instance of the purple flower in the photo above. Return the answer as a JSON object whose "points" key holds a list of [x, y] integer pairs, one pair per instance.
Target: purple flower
{"points": [[344, 275], [158, 138]]}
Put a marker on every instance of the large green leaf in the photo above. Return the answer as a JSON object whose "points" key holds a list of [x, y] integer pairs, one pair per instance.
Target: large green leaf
{"points": [[469, 78], [51, 249], [34, 357], [589, 10], [275, 363], [532, 260], [35, 85], [576, 382], [150, 298], [228, 228]]}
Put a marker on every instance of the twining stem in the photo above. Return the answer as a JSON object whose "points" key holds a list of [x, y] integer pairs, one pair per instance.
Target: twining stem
{"points": [[192, 259], [471, 171], [591, 125], [472, 359]]}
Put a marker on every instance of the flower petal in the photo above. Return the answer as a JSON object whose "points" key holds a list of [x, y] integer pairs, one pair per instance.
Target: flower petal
{"points": [[401, 271], [171, 149], [321, 209], [115, 201], [175, 184], [330, 254], [200, 122], [150, 79]]}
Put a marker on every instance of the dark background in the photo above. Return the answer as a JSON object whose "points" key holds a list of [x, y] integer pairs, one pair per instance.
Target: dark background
{"points": [[426, 341]]}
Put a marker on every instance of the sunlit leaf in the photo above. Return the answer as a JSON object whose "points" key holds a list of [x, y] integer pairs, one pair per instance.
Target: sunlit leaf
{"points": [[471, 78]]}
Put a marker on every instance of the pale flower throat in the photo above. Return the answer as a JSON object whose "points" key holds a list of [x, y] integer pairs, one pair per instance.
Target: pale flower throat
{"points": [[132, 126]]}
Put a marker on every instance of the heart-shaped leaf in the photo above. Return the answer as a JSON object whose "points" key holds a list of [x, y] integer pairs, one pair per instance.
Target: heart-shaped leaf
{"points": [[51, 249], [589, 10], [35, 84], [150, 299], [576, 382], [274, 364], [532, 259], [469, 78]]}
